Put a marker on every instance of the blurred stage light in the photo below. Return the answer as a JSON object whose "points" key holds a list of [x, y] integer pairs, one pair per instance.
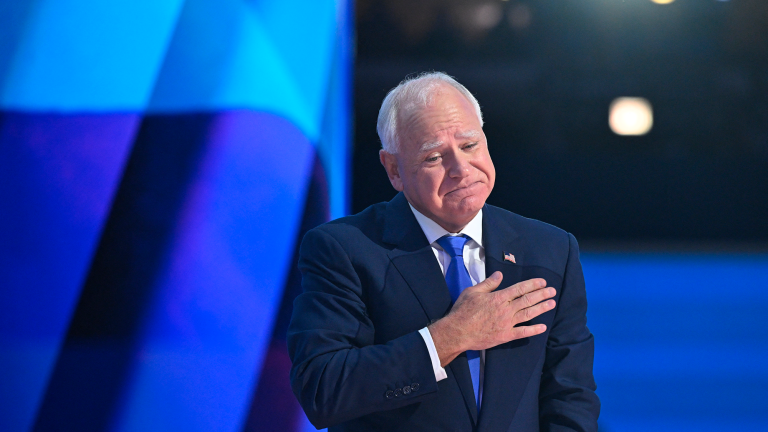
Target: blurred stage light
{"points": [[662, 1], [487, 15], [630, 116]]}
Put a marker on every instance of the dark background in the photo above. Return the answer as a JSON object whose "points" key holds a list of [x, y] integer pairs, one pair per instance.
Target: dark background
{"points": [[545, 73], [673, 225]]}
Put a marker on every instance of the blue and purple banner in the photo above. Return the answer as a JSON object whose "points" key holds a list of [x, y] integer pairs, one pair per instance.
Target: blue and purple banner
{"points": [[158, 163]]}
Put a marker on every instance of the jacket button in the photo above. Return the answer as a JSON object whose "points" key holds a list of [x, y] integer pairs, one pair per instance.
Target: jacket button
{"points": [[390, 394], [407, 390], [414, 386], [398, 392]]}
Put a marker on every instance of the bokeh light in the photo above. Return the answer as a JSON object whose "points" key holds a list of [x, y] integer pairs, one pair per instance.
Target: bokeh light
{"points": [[630, 116]]}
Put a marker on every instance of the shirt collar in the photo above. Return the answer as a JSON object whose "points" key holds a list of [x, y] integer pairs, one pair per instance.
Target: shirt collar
{"points": [[434, 231]]}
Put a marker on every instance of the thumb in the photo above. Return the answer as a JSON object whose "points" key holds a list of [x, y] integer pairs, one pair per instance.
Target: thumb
{"points": [[489, 284]]}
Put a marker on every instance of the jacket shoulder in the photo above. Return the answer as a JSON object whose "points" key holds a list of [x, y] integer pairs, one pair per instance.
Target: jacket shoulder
{"points": [[529, 227], [546, 245], [366, 227]]}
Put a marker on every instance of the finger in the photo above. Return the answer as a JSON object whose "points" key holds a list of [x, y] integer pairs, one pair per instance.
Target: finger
{"points": [[528, 331], [532, 312], [489, 284], [533, 298], [522, 288]]}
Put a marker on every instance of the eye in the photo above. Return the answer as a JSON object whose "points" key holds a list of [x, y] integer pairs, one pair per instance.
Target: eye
{"points": [[433, 158], [471, 145]]}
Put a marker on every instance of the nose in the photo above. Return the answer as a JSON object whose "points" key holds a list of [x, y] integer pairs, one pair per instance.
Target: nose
{"points": [[458, 165]]}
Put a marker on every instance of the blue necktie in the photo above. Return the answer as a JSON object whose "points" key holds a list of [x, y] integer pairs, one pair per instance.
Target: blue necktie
{"points": [[457, 278]]}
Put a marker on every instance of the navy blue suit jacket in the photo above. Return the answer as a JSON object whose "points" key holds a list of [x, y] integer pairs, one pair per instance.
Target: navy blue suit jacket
{"points": [[371, 281]]}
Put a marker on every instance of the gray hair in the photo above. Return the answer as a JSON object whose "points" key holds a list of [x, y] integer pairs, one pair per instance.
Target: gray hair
{"points": [[412, 92]]}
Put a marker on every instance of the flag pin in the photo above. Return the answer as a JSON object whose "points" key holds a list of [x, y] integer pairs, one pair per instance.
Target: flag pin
{"points": [[509, 257]]}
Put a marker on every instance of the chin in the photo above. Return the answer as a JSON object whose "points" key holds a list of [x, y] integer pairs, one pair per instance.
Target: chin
{"points": [[461, 213], [468, 205]]}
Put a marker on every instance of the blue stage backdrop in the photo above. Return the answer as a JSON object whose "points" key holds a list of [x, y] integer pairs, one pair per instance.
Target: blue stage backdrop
{"points": [[681, 340], [159, 160]]}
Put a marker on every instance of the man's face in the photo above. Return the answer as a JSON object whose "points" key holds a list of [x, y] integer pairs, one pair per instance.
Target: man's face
{"points": [[443, 166]]}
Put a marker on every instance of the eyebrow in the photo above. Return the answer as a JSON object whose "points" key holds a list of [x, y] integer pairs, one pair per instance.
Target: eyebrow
{"points": [[427, 146], [468, 134]]}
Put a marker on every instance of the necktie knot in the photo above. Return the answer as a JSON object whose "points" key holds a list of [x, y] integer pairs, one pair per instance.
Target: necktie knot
{"points": [[453, 245]]}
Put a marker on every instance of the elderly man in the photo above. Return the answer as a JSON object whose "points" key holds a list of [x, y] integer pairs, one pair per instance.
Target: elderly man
{"points": [[436, 311]]}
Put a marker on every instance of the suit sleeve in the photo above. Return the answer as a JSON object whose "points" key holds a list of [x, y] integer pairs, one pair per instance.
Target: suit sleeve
{"points": [[567, 399], [338, 373]]}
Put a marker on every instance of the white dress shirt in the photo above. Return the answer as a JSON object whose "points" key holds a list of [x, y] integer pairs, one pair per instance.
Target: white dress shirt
{"points": [[474, 260]]}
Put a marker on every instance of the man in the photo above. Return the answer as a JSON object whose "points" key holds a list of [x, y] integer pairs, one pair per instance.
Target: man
{"points": [[384, 338]]}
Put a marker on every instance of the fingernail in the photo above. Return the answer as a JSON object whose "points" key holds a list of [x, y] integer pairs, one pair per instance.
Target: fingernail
{"points": [[496, 276]]}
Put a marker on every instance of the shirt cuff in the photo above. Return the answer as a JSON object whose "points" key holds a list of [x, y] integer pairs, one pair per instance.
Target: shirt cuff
{"points": [[439, 371]]}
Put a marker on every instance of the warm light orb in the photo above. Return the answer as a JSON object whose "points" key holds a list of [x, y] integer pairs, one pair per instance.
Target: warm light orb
{"points": [[630, 116], [662, 1]]}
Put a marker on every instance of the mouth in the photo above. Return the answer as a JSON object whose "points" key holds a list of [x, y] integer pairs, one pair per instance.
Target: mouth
{"points": [[465, 191]]}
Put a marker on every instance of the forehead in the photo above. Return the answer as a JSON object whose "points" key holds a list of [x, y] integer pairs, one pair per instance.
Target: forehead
{"points": [[447, 111]]}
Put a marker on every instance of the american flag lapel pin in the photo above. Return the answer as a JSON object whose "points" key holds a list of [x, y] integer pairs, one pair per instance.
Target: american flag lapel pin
{"points": [[509, 257]]}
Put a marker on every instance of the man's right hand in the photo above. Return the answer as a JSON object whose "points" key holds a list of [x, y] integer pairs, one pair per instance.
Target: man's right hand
{"points": [[482, 318]]}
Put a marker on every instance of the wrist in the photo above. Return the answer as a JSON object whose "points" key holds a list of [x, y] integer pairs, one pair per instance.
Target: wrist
{"points": [[447, 340]]}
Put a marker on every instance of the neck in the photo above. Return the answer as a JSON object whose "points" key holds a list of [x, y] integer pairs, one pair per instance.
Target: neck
{"points": [[452, 227]]}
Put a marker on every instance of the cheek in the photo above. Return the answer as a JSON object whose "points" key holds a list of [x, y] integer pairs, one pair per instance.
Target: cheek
{"points": [[439, 185], [429, 187], [491, 172], [420, 184], [486, 166]]}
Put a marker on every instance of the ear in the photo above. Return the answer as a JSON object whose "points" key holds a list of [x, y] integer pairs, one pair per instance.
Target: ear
{"points": [[389, 161]]}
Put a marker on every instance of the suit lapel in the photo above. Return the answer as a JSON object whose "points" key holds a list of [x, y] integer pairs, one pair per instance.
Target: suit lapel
{"points": [[508, 367], [415, 261], [460, 369]]}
